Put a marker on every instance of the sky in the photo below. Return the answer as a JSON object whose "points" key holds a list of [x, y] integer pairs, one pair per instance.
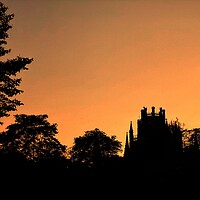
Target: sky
{"points": [[97, 63]]}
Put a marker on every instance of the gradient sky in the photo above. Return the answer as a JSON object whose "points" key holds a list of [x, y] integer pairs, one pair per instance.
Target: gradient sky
{"points": [[97, 63]]}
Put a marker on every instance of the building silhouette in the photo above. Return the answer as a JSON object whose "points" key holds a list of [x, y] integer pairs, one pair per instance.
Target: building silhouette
{"points": [[154, 140]]}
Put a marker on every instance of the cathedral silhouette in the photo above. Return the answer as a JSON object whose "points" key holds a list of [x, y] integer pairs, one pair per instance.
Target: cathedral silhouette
{"points": [[155, 139]]}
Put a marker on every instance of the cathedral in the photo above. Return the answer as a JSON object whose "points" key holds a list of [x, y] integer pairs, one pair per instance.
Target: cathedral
{"points": [[154, 140]]}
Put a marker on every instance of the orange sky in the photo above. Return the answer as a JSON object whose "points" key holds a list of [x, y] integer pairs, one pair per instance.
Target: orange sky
{"points": [[98, 62]]}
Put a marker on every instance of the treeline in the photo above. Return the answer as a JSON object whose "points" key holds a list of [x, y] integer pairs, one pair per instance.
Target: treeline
{"points": [[31, 140]]}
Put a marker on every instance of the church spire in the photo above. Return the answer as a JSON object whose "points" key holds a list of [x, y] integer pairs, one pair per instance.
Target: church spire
{"points": [[129, 144], [126, 149], [131, 137]]}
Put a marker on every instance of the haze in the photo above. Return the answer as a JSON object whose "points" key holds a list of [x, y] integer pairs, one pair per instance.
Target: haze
{"points": [[97, 62]]}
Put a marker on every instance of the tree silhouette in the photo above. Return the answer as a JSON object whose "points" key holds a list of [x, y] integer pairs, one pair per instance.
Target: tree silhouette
{"points": [[176, 137], [191, 139], [9, 68], [33, 137], [93, 147]]}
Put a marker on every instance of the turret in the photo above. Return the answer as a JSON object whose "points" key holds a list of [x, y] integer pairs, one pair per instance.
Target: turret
{"points": [[144, 112], [153, 111]]}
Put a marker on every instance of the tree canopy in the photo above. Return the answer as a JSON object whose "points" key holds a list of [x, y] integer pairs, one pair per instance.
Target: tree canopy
{"points": [[9, 69], [191, 140], [93, 147], [33, 137]]}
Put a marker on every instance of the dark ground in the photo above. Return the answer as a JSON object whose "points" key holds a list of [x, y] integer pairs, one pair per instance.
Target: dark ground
{"points": [[161, 180]]}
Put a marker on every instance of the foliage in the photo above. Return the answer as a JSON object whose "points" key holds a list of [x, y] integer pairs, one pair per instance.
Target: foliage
{"points": [[191, 139], [9, 69], [176, 134], [34, 137], [176, 127], [93, 147]]}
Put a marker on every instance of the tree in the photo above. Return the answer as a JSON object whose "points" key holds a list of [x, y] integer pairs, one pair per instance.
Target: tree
{"points": [[93, 147], [33, 137], [9, 69], [191, 139], [176, 136]]}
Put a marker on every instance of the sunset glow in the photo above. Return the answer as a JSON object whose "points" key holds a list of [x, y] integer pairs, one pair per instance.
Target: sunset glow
{"points": [[97, 63]]}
